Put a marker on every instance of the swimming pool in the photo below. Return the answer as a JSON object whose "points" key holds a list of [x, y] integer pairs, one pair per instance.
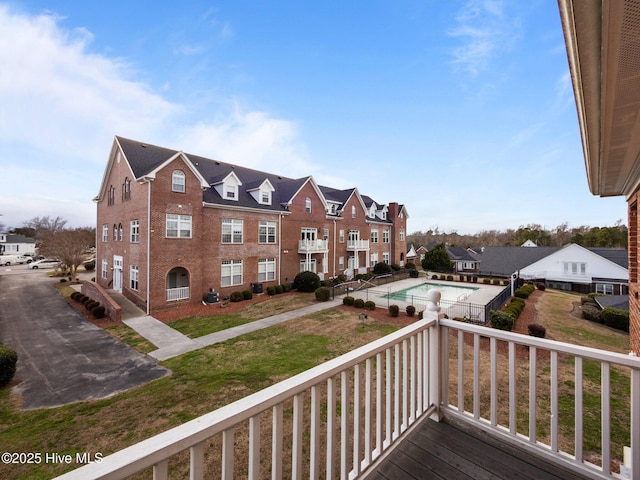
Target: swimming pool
{"points": [[449, 292]]}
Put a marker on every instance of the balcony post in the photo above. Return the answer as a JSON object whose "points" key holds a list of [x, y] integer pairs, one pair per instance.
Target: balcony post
{"points": [[434, 369]]}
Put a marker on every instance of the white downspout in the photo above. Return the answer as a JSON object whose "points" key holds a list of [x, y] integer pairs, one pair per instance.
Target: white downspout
{"points": [[148, 246]]}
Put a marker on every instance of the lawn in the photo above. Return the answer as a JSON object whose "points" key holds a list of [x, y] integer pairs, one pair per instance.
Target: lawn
{"points": [[211, 377]]}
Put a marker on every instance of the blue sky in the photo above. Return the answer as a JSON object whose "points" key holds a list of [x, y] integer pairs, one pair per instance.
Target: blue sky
{"points": [[461, 110]]}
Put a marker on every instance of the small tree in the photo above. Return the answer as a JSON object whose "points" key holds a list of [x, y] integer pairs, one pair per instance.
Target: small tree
{"points": [[437, 259], [68, 246]]}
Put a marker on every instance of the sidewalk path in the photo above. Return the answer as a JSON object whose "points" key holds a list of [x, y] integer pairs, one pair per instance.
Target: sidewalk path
{"points": [[172, 343]]}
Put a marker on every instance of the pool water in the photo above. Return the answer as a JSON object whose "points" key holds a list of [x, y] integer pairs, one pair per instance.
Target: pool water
{"points": [[449, 292]]}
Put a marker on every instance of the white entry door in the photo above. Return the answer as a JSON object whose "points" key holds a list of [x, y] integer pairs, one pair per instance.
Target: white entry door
{"points": [[117, 273]]}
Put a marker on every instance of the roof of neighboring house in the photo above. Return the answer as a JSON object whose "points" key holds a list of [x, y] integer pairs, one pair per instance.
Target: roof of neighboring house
{"points": [[613, 301], [459, 253], [145, 159], [503, 261], [18, 238], [616, 255]]}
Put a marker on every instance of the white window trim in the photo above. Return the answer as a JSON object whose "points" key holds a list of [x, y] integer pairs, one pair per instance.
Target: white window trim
{"points": [[183, 225], [178, 181], [231, 269], [235, 227]]}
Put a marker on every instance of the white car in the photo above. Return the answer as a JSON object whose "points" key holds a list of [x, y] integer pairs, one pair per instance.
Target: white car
{"points": [[46, 263]]}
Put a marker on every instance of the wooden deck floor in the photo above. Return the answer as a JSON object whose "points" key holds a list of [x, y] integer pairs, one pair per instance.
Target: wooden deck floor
{"points": [[446, 451]]}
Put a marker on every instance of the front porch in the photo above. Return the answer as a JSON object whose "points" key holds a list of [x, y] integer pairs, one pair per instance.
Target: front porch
{"points": [[358, 415]]}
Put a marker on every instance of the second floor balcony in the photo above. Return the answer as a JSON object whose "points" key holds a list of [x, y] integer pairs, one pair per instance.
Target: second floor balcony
{"points": [[355, 245], [313, 246]]}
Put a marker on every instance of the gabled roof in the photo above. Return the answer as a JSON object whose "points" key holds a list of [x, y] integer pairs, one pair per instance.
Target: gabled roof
{"points": [[460, 254], [145, 160], [615, 255], [17, 238], [503, 261]]}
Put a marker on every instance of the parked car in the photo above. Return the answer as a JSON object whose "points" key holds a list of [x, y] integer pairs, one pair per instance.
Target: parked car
{"points": [[46, 263], [13, 259]]}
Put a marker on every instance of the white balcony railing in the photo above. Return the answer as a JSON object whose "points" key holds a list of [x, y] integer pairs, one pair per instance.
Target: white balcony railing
{"points": [[179, 293], [357, 244], [312, 246], [342, 417]]}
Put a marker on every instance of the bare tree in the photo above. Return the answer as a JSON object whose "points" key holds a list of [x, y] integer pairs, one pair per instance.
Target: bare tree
{"points": [[45, 226], [69, 246]]}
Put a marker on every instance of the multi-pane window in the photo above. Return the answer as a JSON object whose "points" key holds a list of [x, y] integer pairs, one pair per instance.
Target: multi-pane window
{"points": [[266, 269], [341, 263], [178, 181], [575, 268], [231, 273], [267, 232], [374, 258], [178, 226], [385, 257], [133, 276], [105, 269], [374, 236], [341, 236], [105, 232], [115, 232], [265, 197], [231, 192], [307, 205], [111, 196], [385, 236], [135, 231], [231, 230], [402, 235], [605, 288], [120, 232], [353, 211], [325, 234]]}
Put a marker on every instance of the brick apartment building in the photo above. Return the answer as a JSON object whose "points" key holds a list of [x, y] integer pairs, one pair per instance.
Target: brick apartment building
{"points": [[171, 226]]}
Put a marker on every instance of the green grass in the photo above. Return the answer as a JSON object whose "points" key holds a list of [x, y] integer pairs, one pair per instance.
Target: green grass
{"points": [[131, 337], [199, 326]]}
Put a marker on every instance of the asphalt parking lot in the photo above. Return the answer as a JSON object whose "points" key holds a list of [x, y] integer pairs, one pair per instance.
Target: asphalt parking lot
{"points": [[62, 358]]}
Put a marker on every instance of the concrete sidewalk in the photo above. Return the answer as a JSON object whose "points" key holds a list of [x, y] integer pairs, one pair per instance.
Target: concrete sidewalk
{"points": [[172, 343]]}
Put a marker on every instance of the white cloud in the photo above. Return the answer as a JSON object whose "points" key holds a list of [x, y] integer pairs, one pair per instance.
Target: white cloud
{"points": [[62, 104]]}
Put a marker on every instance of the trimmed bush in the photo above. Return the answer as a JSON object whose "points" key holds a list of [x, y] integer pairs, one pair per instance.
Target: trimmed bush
{"points": [[370, 305], [89, 266], [411, 310], [524, 291], [358, 303], [323, 294], [395, 267], [8, 363], [381, 268], [541, 286], [410, 266], [85, 299], [76, 296], [590, 311], [394, 310], [247, 294], [450, 278], [306, 282], [501, 320], [348, 300], [271, 290], [616, 318], [286, 287], [90, 304], [536, 330], [279, 289], [514, 307], [236, 297], [495, 281], [486, 281], [98, 312]]}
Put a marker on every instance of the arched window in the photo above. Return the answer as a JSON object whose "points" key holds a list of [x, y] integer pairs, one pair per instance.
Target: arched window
{"points": [[307, 205], [126, 189], [120, 232], [178, 181], [115, 232], [353, 211]]}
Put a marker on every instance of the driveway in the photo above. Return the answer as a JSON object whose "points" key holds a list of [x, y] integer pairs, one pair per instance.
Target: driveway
{"points": [[62, 358]]}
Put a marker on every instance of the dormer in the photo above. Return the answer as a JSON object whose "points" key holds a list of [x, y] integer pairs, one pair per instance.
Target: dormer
{"points": [[263, 194], [228, 187], [332, 207], [382, 213], [373, 209]]}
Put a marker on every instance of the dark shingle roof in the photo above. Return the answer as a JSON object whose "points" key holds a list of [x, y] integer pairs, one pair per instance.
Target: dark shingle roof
{"points": [[613, 301], [503, 261], [144, 159], [616, 255]]}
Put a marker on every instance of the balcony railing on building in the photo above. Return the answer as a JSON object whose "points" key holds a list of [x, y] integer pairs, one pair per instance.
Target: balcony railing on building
{"points": [[357, 244], [179, 293], [342, 418], [313, 246]]}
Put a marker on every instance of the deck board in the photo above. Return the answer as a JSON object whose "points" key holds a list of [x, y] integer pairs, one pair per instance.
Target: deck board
{"points": [[451, 451]]}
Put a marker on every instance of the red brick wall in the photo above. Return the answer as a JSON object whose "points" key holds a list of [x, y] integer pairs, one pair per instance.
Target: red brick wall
{"points": [[634, 290]]}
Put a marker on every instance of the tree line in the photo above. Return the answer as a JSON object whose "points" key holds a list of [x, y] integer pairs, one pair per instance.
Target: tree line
{"points": [[586, 236]]}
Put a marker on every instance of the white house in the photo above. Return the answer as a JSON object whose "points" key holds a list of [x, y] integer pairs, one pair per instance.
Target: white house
{"points": [[11, 244], [579, 269]]}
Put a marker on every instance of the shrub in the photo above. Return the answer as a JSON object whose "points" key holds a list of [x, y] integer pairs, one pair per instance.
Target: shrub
{"points": [[271, 290], [394, 310], [501, 320], [90, 304], [495, 281], [514, 307], [590, 311], [381, 268], [536, 330], [348, 300], [541, 286], [358, 303], [85, 299], [616, 318], [279, 289], [525, 291], [411, 310], [98, 312], [306, 282], [236, 297], [89, 266], [323, 294], [450, 278], [370, 305], [76, 296], [486, 281], [8, 363], [410, 266], [286, 287], [247, 294], [395, 267]]}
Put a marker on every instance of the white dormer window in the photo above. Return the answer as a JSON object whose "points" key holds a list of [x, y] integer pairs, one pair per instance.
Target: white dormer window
{"points": [[231, 192], [264, 193], [265, 198]]}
